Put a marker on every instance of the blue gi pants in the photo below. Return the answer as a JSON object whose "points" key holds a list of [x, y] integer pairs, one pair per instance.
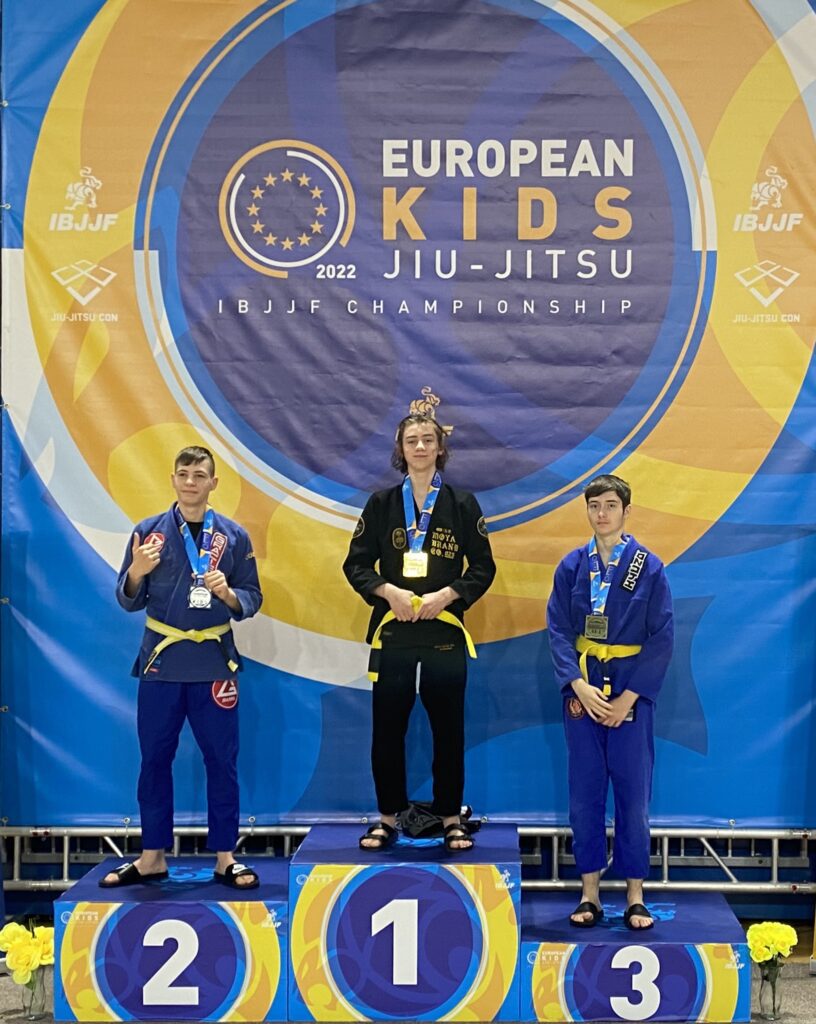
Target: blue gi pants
{"points": [[599, 755], [161, 711]]}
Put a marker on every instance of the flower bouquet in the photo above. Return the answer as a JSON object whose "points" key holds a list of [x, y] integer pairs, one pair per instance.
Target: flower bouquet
{"points": [[29, 957], [769, 943]]}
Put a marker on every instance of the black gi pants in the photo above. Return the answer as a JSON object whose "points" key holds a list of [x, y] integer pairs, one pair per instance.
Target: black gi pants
{"points": [[442, 691]]}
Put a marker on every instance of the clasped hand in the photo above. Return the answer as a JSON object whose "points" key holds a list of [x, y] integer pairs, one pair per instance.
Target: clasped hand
{"points": [[406, 608], [608, 711]]}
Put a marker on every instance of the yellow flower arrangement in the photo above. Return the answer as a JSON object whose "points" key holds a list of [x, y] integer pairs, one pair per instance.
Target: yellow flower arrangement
{"points": [[768, 944], [766, 941], [26, 951]]}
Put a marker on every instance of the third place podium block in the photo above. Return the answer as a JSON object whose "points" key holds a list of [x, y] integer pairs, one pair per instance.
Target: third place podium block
{"points": [[693, 965], [187, 948], [412, 932]]}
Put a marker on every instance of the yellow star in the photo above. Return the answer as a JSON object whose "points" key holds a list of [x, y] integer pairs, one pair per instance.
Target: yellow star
{"points": [[257, 227], [304, 180], [270, 179], [287, 243], [288, 175], [320, 210], [304, 239], [317, 192], [252, 210], [258, 192], [317, 229], [270, 239]]}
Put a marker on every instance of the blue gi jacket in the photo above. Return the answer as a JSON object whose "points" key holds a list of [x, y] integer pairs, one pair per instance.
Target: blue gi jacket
{"points": [[639, 607], [164, 593]]}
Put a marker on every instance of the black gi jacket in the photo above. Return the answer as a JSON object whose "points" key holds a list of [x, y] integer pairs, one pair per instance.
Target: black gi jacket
{"points": [[457, 533]]}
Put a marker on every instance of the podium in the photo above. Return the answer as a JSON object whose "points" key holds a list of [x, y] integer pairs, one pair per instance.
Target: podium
{"points": [[187, 948], [411, 932], [692, 965]]}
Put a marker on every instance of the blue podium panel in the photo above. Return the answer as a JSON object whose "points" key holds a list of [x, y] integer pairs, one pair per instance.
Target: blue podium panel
{"points": [[408, 933], [693, 965], [187, 948]]}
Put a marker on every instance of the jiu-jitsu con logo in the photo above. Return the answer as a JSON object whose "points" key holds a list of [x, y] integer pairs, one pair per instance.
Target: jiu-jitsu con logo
{"points": [[284, 205], [766, 197]]}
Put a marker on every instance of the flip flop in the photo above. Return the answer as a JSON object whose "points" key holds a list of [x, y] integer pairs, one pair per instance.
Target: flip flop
{"points": [[457, 833], [587, 908], [387, 837], [129, 874], [233, 873], [637, 910]]}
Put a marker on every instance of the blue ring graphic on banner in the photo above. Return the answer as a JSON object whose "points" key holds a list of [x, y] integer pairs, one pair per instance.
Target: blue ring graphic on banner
{"points": [[511, 499]]}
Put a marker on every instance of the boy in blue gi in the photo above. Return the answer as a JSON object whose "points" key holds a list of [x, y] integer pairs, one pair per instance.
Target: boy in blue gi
{"points": [[194, 571], [611, 635]]}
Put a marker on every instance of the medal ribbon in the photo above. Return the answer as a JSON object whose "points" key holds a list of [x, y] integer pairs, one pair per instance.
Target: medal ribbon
{"points": [[418, 531], [598, 586], [199, 558]]}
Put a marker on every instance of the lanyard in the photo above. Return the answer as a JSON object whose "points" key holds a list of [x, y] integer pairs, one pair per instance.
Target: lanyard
{"points": [[199, 558], [599, 587], [417, 531]]}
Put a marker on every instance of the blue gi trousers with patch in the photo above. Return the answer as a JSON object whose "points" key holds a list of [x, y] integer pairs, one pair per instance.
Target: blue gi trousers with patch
{"points": [[162, 709], [599, 755]]}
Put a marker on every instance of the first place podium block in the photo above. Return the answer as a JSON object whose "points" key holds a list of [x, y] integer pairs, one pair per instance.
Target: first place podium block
{"points": [[187, 948], [412, 932], [693, 965]]}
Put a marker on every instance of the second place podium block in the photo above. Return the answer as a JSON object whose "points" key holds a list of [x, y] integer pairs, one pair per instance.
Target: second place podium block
{"points": [[411, 932]]}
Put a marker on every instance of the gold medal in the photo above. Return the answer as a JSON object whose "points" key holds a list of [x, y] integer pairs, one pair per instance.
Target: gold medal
{"points": [[596, 627], [415, 564]]}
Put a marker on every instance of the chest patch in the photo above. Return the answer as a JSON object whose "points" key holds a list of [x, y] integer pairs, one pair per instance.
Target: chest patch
{"points": [[443, 543], [217, 549], [630, 580], [155, 538]]}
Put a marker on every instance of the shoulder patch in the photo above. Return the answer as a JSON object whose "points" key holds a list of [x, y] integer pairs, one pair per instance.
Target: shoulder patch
{"points": [[359, 529], [481, 526]]}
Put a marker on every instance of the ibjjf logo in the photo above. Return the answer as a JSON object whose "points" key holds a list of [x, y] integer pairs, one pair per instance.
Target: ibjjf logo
{"points": [[634, 570], [225, 693], [217, 549], [83, 280], [155, 538], [284, 205], [575, 709], [78, 194], [772, 276], [767, 195], [768, 192]]}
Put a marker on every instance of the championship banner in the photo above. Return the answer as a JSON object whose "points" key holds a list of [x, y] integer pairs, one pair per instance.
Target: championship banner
{"points": [[576, 232]]}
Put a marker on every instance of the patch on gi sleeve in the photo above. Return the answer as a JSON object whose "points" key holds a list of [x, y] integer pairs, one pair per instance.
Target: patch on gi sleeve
{"points": [[481, 526], [359, 529]]}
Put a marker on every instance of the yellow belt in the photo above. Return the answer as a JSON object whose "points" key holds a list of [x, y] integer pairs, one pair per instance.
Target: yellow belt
{"points": [[173, 636], [443, 616], [603, 652]]}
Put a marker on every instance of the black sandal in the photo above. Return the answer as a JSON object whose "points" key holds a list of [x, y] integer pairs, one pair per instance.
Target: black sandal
{"points": [[129, 874], [387, 836], [587, 908], [233, 873], [637, 910], [457, 833]]}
